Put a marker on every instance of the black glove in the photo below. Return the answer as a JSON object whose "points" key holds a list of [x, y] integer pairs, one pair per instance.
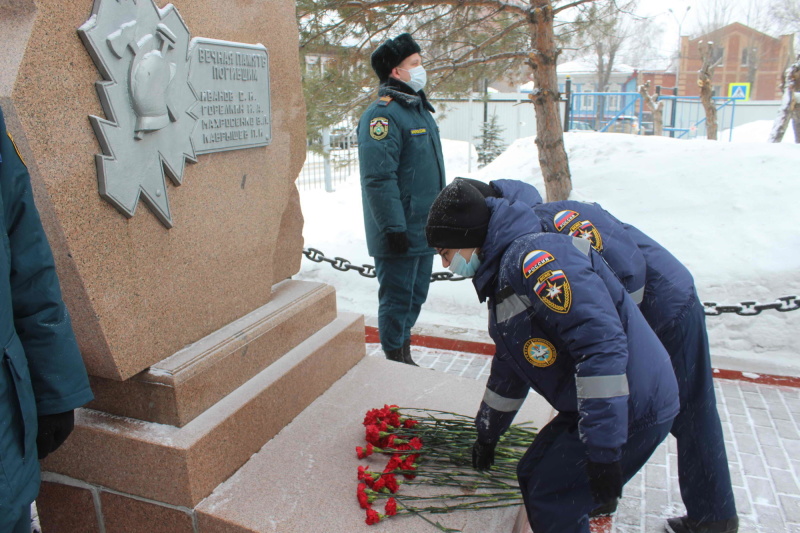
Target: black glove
{"points": [[605, 481], [483, 455], [53, 431], [398, 242]]}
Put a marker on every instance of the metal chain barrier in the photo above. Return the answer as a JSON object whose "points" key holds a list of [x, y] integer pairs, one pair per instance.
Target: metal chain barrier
{"points": [[749, 308]]}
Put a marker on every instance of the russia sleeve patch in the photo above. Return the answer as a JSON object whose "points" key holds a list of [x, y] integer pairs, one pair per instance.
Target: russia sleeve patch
{"points": [[535, 260], [563, 218]]}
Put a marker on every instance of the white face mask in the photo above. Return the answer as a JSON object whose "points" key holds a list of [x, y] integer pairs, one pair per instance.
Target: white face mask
{"points": [[418, 77], [460, 267]]}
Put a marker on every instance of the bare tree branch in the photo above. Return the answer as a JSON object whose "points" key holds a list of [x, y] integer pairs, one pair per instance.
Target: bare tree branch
{"points": [[559, 9], [480, 61], [499, 4]]}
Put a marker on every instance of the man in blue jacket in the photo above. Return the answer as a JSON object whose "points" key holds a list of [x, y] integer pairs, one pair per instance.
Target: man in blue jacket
{"points": [[664, 289], [402, 171], [564, 326], [42, 377]]}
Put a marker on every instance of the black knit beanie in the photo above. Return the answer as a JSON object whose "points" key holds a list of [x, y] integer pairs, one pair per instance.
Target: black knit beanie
{"points": [[486, 189], [392, 53], [459, 217]]}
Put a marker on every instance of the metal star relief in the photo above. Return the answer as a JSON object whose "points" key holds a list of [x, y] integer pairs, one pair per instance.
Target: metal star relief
{"points": [[141, 52]]}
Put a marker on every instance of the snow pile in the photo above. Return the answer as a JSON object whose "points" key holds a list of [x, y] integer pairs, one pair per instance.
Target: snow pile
{"points": [[725, 209]]}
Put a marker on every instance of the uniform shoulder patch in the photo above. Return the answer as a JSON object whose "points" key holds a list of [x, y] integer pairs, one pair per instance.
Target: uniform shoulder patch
{"points": [[535, 260], [586, 230], [553, 289], [540, 352], [379, 128], [563, 218], [384, 101], [10, 138]]}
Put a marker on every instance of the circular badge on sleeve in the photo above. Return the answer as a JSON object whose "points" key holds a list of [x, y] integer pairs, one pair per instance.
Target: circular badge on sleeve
{"points": [[379, 128], [540, 352]]}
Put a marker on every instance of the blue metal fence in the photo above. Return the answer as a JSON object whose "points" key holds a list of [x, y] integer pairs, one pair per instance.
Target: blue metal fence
{"points": [[623, 112]]}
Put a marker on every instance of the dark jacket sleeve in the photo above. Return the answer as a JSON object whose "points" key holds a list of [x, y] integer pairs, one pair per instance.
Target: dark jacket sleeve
{"points": [[592, 330], [504, 395], [41, 319], [379, 160]]}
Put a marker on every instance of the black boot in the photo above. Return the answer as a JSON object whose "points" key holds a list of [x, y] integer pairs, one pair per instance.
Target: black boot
{"points": [[395, 355], [407, 353], [684, 524]]}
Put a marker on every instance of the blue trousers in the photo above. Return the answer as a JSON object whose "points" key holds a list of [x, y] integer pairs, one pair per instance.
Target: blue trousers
{"points": [[552, 474], [404, 283], [703, 473]]}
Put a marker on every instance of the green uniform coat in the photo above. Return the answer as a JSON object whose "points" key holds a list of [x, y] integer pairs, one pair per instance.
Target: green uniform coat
{"points": [[402, 170], [42, 371]]}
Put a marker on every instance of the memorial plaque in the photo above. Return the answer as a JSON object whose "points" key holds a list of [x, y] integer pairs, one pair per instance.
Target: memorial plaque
{"points": [[167, 100], [231, 82]]}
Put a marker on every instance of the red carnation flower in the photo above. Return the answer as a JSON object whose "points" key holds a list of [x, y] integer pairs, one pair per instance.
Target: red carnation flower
{"points": [[391, 482], [364, 452], [373, 435], [391, 507], [394, 463], [410, 423], [415, 443], [363, 499], [373, 517], [371, 417], [379, 485]]}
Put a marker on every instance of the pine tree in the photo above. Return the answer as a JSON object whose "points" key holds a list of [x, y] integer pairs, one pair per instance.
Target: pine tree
{"points": [[491, 145], [463, 41]]}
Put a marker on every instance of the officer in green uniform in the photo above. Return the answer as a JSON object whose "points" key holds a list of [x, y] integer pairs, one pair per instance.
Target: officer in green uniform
{"points": [[42, 377], [402, 172]]}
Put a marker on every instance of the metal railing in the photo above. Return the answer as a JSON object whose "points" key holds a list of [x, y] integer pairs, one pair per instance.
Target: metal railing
{"points": [[330, 159]]}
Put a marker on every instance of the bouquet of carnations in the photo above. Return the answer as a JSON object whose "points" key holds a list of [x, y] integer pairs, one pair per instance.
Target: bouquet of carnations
{"points": [[433, 449]]}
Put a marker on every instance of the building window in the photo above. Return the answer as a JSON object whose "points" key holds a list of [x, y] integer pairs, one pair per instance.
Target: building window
{"points": [[716, 54], [749, 56]]}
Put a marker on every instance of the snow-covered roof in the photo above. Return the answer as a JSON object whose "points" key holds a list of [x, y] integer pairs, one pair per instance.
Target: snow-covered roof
{"points": [[589, 67]]}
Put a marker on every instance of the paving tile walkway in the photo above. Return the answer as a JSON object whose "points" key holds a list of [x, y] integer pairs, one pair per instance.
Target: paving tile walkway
{"points": [[761, 424]]}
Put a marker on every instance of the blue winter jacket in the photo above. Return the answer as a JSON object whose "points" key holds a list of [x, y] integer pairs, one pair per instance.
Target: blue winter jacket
{"points": [[565, 326], [42, 371], [655, 279]]}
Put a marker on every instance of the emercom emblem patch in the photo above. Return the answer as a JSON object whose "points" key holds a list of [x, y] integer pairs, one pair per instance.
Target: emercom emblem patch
{"points": [[554, 291], [586, 230], [379, 128], [540, 352]]}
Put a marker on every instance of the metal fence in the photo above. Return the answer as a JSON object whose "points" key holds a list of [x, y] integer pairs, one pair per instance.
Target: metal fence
{"points": [[331, 159]]}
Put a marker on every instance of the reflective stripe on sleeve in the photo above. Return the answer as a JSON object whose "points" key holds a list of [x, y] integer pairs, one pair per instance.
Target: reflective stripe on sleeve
{"points": [[637, 296], [501, 403], [511, 307], [602, 386], [584, 245]]}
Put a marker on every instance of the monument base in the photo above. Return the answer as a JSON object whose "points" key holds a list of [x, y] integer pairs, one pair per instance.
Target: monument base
{"points": [[111, 460], [302, 480]]}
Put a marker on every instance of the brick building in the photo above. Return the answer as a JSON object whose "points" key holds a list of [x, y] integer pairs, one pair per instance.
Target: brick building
{"points": [[748, 56]]}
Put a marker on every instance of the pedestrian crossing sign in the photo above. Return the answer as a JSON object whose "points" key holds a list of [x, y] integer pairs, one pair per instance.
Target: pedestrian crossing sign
{"points": [[740, 91]]}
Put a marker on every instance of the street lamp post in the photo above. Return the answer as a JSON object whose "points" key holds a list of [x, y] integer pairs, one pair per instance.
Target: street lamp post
{"points": [[680, 24]]}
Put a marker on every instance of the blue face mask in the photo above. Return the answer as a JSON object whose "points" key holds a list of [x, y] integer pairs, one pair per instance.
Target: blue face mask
{"points": [[460, 267]]}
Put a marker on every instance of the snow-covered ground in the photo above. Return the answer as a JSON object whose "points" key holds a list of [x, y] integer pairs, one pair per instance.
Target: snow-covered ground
{"points": [[729, 211]]}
